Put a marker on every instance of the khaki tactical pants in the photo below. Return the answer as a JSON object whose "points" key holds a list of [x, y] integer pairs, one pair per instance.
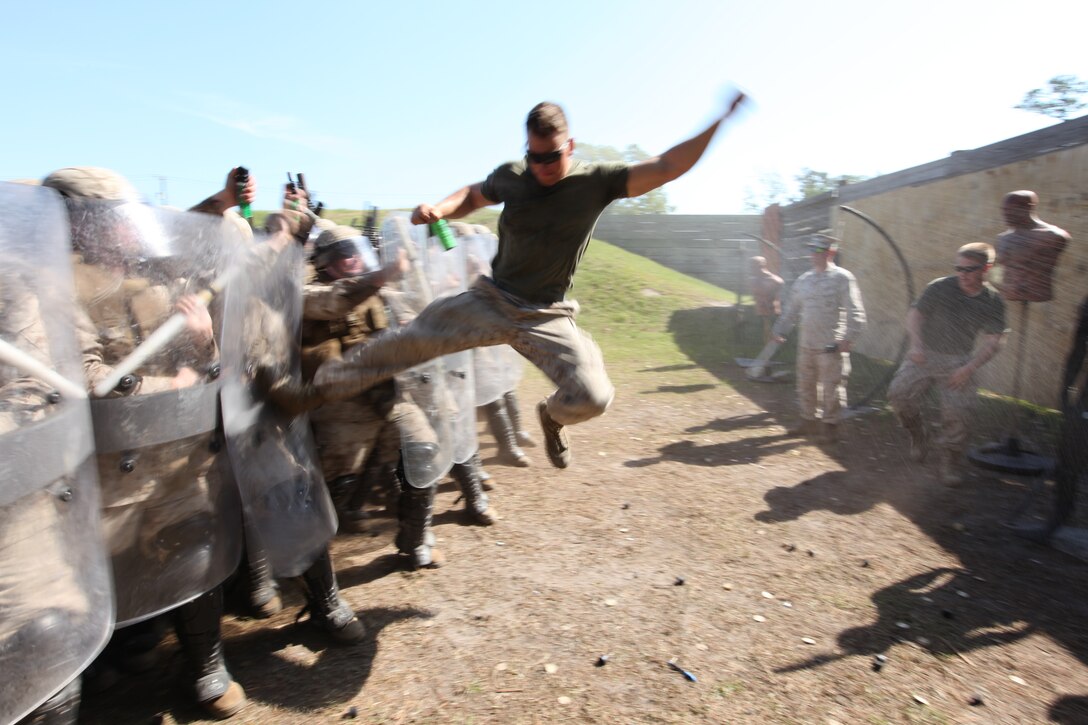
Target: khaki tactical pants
{"points": [[485, 315], [828, 371], [911, 383]]}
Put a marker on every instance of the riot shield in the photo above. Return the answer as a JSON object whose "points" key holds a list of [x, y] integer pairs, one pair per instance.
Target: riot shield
{"points": [[427, 451], [446, 271], [144, 278], [56, 599], [498, 367], [272, 455]]}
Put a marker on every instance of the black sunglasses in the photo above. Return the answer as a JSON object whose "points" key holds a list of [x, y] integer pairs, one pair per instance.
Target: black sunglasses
{"points": [[969, 269], [547, 157]]}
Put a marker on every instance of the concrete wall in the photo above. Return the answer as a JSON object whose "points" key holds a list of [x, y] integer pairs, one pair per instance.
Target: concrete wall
{"points": [[929, 211], [711, 248], [930, 221]]}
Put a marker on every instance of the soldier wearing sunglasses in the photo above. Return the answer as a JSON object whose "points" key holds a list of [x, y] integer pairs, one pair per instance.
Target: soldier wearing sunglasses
{"points": [[552, 202], [942, 325]]}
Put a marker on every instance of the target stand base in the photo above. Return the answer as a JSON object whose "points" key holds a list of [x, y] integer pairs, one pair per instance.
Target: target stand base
{"points": [[1008, 457]]}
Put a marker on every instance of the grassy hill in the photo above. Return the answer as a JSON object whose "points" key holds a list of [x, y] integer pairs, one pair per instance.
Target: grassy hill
{"points": [[628, 305], [356, 217]]}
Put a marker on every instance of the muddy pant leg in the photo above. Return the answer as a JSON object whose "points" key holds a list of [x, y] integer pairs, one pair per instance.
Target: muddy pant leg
{"points": [[808, 374], [571, 359], [906, 392], [956, 405], [834, 370], [447, 325]]}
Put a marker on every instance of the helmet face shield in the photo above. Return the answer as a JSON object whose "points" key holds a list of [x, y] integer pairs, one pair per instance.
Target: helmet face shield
{"points": [[117, 234], [345, 257]]}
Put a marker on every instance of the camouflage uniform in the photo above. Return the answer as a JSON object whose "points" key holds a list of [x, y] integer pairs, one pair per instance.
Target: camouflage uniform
{"points": [[348, 431], [181, 480], [171, 514], [830, 310]]}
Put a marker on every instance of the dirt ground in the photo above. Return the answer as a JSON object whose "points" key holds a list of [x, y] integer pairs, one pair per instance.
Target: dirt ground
{"points": [[796, 583]]}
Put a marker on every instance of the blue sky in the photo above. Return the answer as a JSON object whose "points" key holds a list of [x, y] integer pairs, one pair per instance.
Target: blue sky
{"points": [[398, 103]]}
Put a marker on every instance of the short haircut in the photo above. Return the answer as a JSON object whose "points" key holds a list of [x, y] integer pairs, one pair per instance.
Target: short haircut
{"points": [[979, 251], [546, 119], [1024, 198]]}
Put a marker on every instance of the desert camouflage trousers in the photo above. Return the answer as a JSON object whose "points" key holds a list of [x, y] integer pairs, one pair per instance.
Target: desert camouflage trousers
{"points": [[911, 383], [827, 372], [347, 431], [486, 315]]}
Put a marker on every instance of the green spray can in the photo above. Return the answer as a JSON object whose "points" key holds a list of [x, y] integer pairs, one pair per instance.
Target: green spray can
{"points": [[442, 230]]}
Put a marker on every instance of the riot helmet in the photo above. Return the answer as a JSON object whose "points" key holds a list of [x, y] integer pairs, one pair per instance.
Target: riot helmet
{"points": [[343, 251]]}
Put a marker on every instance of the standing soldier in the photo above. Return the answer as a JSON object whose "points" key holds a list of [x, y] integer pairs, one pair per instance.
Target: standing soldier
{"points": [[827, 301], [289, 518], [172, 519], [56, 599], [942, 325]]}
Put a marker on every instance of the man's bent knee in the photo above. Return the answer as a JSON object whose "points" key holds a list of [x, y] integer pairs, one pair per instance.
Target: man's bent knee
{"points": [[568, 408]]}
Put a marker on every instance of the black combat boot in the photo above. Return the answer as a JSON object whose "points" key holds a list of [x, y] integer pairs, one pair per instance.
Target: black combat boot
{"points": [[468, 478], [60, 709], [327, 609], [414, 512], [197, 627], [498, 420], [264, 597], [513, 409], [485, 477]]}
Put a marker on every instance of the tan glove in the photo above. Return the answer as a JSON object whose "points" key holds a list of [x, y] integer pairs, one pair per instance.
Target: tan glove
{"points": [[296, 224], [289, 394]]}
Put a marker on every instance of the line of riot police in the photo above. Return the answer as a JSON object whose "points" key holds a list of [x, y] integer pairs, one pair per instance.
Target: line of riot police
{"points": [[155, 372]]}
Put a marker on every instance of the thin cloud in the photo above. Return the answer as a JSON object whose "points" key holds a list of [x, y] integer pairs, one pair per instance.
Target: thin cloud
{"points": [[260, 124]]}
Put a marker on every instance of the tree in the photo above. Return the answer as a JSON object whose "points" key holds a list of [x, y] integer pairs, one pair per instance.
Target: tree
{"points": [[771, 190], [653, 202], [813, 183], [1061, 98]]}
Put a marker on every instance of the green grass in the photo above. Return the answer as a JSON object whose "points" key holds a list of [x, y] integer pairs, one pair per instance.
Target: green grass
{"points": [[355, 217], [628, 304]]}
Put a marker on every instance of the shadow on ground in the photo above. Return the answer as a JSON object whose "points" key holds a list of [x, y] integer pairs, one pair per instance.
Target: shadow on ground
{"points": [[1005, 588]]}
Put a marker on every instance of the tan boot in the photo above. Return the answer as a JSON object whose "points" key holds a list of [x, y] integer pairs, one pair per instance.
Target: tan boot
{"points": [[228, 704], [556, 444]]}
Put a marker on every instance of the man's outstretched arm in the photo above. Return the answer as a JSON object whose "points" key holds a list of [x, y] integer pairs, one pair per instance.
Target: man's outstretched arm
{"points": [[648, 175], [460, 203]]}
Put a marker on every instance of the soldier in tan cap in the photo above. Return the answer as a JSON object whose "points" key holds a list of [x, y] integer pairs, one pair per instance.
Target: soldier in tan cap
{"points": [[172, 521]]}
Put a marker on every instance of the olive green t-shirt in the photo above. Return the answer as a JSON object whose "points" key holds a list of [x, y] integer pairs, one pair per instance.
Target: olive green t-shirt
{"points": [[952, 319], [544, 230]]}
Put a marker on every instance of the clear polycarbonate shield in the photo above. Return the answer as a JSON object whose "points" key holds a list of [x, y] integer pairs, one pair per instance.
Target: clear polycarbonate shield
{"points": [[56, 598], [272, 455], [446, 271], [498, 367], [427, 451], [150, 285]]}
